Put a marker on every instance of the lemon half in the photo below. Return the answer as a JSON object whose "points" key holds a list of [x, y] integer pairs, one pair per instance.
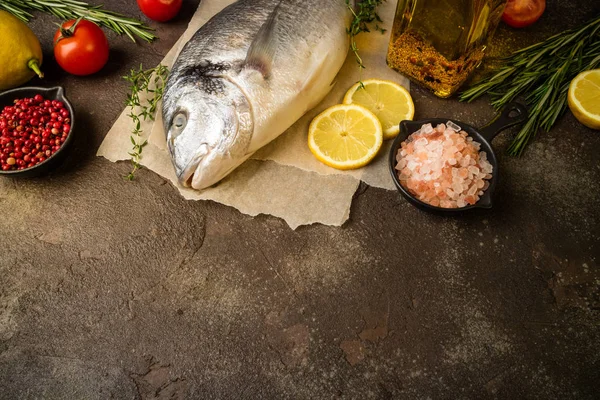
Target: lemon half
{"points": [[389, 101], [345, 136], [584, 98]]}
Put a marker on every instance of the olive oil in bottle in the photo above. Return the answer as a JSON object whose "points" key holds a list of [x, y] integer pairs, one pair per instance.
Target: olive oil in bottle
{"points": [[439, 43]]}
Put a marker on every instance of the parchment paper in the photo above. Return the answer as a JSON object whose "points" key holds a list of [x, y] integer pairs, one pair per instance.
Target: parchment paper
{"points": [[283, 178]]}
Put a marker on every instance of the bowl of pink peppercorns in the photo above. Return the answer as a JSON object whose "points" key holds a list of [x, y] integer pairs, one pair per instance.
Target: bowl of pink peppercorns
{"points": [[36, 129]]}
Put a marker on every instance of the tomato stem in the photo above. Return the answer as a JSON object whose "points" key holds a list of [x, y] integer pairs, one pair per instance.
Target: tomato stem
{"points": [[34, 65], [68, 32]]}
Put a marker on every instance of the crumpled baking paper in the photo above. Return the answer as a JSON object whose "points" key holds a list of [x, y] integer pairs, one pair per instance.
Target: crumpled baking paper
{"points": [[283, 178]]}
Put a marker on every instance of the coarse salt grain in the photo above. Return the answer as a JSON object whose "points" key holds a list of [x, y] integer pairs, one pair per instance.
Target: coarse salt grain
{"points": [[426, 129], [443, 166], [453, 126]]}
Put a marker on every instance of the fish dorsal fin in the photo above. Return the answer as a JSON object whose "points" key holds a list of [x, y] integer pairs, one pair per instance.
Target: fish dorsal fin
{"points": [[262, 49]]}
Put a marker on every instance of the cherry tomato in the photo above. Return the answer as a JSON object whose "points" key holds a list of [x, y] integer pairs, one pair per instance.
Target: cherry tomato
{"points": [[160, 10], [521, 13], [81, 49]]}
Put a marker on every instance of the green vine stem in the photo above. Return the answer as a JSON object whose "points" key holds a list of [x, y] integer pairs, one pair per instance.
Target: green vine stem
{"points": [[73, 9], [146, 91], [363, 15]]}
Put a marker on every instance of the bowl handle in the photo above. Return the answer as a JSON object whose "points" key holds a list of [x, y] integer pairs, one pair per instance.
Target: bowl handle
{"points": [[511, 115]]}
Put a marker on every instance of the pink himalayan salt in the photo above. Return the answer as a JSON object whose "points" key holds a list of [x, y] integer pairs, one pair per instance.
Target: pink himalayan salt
{"points": [[443, 166]]}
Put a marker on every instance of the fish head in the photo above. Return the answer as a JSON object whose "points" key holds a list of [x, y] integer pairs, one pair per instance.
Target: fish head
{"points": [[209, 128]]}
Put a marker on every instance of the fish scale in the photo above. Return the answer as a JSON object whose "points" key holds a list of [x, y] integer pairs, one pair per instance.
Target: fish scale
{"points": [[245, 77]]}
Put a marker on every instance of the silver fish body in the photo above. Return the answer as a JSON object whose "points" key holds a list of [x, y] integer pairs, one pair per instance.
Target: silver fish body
{"points": [[245, 77]]}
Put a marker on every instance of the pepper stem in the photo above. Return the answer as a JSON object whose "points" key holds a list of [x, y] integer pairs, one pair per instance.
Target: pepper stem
{"points": [[34, 65]]}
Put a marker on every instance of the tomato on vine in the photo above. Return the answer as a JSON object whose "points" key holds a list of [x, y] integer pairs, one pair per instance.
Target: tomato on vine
{"points": [[522, 13], [160, 10], [80, 47]]}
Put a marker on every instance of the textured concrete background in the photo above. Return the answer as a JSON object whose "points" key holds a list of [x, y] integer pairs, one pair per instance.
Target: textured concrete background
{"points": [[123, 290]]}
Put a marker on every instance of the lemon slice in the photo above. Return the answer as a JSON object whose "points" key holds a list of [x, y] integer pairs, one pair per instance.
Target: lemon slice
{"points": [[390, 102], [584, 98], [345, 136]]}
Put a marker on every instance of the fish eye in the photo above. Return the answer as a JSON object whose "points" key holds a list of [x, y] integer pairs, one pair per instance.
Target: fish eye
{"points": [[180, 120]]}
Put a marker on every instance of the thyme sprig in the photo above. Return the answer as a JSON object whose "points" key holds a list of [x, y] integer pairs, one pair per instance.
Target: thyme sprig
{"points": [[542, 74], [363, 17], [150, 84], [73, 9]]}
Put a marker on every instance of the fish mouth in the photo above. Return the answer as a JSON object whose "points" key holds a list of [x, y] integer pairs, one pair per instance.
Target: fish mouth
{"points": [[201, 173], [185, 179], [186, 176], [187, 173]]}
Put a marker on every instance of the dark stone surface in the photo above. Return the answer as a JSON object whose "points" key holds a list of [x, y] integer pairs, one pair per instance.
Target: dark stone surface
{"points": [[124, 290]]}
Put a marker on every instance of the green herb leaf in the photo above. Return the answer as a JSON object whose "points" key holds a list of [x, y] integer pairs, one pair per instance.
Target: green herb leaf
{"points": [[73, 9], [140, 84], [541, 73], [363, 15]]}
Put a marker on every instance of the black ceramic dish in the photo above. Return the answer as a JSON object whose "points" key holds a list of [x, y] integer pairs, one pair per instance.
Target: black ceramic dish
{"points": [[55, 93], [513, 114]]}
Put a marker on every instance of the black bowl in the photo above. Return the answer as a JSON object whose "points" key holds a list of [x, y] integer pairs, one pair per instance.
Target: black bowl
{"points": [[513, 114], [55, 93]]}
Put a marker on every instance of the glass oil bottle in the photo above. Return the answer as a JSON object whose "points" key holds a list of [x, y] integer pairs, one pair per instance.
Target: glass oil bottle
{"points": [[439, 43]]}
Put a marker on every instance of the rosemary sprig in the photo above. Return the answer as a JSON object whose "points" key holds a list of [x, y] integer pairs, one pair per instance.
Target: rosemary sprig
{"points": [[73, 9], [150, 83], [362, 17], [541, 73]]}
